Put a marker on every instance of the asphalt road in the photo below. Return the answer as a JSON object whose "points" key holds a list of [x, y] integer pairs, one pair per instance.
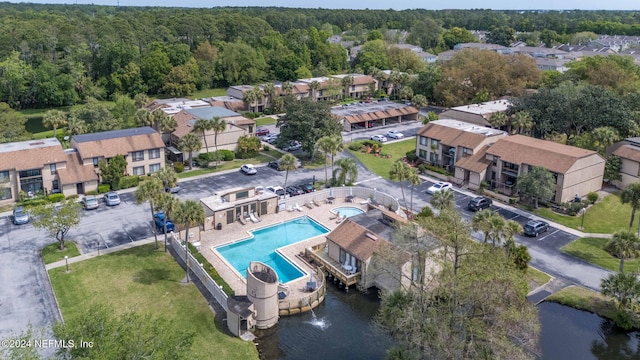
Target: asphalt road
{"points": [[26, 296]]}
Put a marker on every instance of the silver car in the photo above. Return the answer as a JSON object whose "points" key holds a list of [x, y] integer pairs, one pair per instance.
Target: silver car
{"points": [[20, 216], [90, 202], [112, 198]]}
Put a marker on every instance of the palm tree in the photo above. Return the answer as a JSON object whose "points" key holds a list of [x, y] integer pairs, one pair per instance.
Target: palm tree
{"points": [[624, 245], [54, 119], [480, 222], [521, 122], [314, 86], [168, 204], [419, 101], [325, 145], [287, 87], [168, 124], [259, 96], [623, 288], [249, 97], [269, 90], [189, 213], [218, 125], [414, 179], [394, 79], [158, 117], [496, 226], [442, 199], [511, 229], [143, 118], [190, 143], [140, 100], [498, 119], [347, 169], [400, 172], [202, 126], [631, 196], [76, 126], [287, 162], [167, 176], [604, 136], [149, 191], [346, 81]]}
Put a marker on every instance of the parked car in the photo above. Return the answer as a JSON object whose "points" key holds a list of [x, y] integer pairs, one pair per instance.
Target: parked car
{"points": [[380, 138], [479, 203], [248, 169], [269, 138], [535, 227], [262, 131], [158, 219], [112, 198], [292, 145], [20, 216], [274, 165], [307, 188], [278, 190], [293, 190], [393, 134], [90, 202], [173, 189], [440, 186]]}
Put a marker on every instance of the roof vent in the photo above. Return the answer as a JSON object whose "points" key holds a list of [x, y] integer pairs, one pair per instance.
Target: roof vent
{"points": [[371, 236], [35, 143]]}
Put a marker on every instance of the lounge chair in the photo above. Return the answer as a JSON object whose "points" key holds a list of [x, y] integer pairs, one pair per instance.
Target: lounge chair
{"points": [[341, 219], [312, 202], [253, 218], [290, 208], [365, 202], [256, 215], [241, 220], [333, 216], [297, 207]]}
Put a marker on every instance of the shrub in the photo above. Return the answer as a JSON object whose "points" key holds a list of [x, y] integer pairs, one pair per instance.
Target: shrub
{"points": [[73, 197], [129, 181], [211, 270], [592, 197], [55, 198], [33, 202], [424, 167], [104, 188], [178, 167], [356, 146], [92, 192], [200, 162], [426, 212], [411, 156], [512, 200], [227, 155], [573, 208], [204, 157]]}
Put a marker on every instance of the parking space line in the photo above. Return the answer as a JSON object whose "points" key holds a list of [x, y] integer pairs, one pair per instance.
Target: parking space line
{"points": [[546, 236], [511, 218]]}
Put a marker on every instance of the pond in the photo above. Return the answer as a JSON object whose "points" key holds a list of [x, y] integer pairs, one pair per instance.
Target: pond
{"points": [[342, 328]]}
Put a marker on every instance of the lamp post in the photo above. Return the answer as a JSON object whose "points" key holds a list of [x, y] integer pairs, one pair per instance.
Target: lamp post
{"points": [[584, 210], [66, 261]]}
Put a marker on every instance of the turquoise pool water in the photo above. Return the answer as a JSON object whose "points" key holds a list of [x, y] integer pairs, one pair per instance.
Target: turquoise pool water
{"points": [[347, 210], [262, 245]]}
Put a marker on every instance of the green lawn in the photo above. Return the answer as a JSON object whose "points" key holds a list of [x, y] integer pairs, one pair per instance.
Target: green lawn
{"points": [[207, 93], [381, 165], [265, 121], [583, 299], [228, 165], [536, 278], [605, 217], [51, 252], [146, 281], [592, 250]]}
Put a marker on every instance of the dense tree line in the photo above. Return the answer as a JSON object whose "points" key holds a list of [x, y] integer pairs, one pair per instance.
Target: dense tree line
{"points": [[59, 55]]}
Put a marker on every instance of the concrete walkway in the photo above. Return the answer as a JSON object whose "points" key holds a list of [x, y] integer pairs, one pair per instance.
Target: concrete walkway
{"points": [[91, 255]]}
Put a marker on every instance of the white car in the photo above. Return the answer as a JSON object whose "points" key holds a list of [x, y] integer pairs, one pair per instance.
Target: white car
{"points": [[393, 134], [248, 169], [441, 186], [380, 138]]}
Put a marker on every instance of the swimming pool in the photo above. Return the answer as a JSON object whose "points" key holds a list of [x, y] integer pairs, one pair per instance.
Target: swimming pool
{"points": [[264, 242], [347, 210]]}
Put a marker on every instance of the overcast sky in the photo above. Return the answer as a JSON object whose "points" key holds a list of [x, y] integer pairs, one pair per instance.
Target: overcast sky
{"points": [[377, 4]]}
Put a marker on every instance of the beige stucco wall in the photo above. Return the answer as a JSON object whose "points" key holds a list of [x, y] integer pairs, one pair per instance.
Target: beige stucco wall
{"points": [[227, 140], [264, 296], [582, 178], [145, 162], [629, 172]]}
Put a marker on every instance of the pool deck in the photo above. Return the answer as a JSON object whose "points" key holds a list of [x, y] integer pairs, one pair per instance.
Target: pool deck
{"points": [[236, 231]]}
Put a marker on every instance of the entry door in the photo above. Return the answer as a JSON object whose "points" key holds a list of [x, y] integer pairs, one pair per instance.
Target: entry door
{"points": [[230, 218], [263, 208], [80, 188]]}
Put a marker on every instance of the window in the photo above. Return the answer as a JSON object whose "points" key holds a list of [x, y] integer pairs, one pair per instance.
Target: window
{"points": [[353, 88], [433, 158], [52, 167], [137, 155], [510, 166], [55, 185], [139, 170], [423, 140], [466, 151], [434, 143], [154, 153], [95, 162], [4, 176], [5, 193], [422, 154], [242, 195], [154, 168], [495, 161], [30, 173]]}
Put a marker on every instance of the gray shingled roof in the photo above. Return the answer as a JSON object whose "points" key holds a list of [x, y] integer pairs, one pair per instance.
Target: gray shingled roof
{"points": [[211, 112], [113, 134]]}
